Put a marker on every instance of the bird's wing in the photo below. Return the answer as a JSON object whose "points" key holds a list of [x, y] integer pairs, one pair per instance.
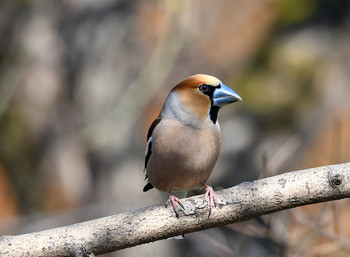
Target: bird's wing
{"points": [[149, 150]]}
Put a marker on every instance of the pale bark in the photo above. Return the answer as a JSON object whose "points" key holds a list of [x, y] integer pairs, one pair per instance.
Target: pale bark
{"points": [[242, 202]]}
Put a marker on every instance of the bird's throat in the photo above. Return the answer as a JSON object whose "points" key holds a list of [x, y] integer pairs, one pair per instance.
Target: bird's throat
{"points": [[213, 113]]}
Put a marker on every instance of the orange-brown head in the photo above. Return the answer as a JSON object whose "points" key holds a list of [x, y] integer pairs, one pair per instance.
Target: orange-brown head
{"points": [[198, 98]]}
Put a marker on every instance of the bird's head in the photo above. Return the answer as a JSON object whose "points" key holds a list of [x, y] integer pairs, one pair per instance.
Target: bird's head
{"points": [[203, 95]]}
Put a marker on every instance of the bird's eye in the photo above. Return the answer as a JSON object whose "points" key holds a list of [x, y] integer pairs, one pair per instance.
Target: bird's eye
{"points": [[204, 88]]}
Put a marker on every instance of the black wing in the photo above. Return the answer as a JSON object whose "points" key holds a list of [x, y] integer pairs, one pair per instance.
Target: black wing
{"points": [[149, 151]]}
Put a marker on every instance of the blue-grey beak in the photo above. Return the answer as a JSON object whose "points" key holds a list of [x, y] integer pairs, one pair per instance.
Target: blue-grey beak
{"points": [[224, 95]]}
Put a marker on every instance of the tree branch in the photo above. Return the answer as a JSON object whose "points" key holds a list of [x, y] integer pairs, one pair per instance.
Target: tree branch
{"points": [[242, 202]]}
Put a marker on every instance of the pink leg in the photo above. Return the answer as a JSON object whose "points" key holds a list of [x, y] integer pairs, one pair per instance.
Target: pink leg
{"points": [[209, 192], [173, 200]]}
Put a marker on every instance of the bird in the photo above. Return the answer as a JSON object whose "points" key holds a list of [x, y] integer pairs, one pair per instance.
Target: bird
{"points": [[184, 141]]}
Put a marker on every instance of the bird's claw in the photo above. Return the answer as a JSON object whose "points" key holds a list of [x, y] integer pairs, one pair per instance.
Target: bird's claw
{"points": [[209, 193], [173, 200]]}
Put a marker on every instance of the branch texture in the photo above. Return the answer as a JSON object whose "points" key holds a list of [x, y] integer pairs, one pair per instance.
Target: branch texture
{"points": [[242, 202]]}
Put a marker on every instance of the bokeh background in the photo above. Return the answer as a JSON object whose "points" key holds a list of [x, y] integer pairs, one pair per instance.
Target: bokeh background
{"points": [[82, 80]]}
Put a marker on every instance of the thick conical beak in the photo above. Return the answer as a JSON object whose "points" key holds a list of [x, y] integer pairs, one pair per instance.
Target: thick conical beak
{"points": [[224, 95]]}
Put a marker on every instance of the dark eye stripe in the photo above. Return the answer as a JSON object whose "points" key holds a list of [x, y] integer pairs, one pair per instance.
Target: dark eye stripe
{"points": [[209, 91]]}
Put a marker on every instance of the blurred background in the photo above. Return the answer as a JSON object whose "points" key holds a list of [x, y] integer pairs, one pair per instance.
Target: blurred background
{"points": [[82, 80]]}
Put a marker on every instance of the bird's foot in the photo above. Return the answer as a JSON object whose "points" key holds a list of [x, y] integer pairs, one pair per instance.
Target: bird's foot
{"points": [[173, 200], [209, 193]]}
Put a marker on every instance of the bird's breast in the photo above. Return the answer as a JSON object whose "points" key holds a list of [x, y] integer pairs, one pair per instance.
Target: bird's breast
{"points": [[182, 156]]}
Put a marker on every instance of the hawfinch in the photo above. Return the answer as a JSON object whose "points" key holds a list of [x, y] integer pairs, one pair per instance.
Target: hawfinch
{"points": [[184, 142]]}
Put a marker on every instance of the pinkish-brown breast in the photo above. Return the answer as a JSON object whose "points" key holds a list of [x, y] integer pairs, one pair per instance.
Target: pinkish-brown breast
{"points": [[182, 157]]}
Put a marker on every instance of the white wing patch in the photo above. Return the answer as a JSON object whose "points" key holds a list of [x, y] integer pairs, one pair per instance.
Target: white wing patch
{"points": [[148, 151], [148, 146]]}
